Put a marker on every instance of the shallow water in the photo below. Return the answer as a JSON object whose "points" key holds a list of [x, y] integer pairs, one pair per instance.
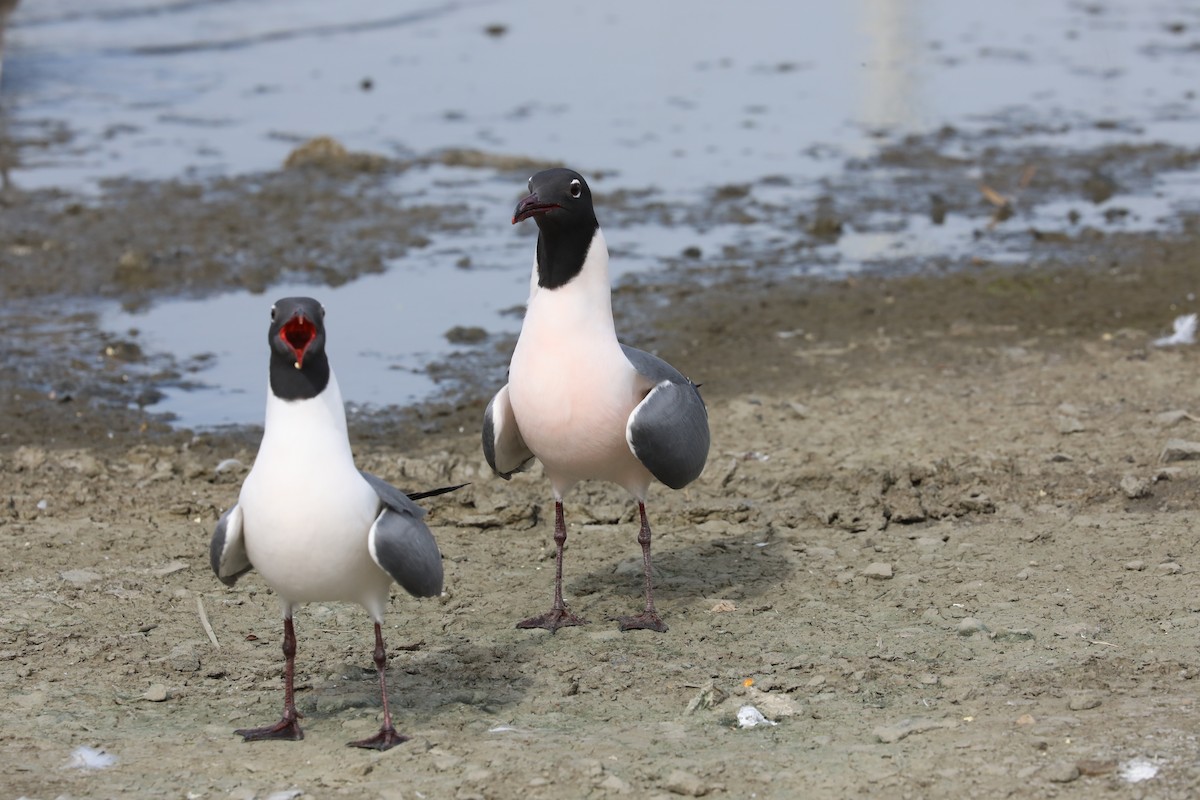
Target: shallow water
{"points": [[674, 96]]}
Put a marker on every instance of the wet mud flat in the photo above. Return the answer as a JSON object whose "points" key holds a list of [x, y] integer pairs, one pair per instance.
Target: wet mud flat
{"points": [[945, 540]]}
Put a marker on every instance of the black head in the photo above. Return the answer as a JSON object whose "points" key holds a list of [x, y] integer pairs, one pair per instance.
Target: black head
{"points": [[299, 367], [560, 202]]}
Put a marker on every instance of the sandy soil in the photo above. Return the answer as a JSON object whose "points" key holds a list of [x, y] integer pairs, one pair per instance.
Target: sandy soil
{"points": [[937, 541]]}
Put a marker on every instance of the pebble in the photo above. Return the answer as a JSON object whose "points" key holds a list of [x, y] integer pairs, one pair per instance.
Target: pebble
{"points": [[879, 571], [1136, 565], [1067, 425], [1081, 701], [1169, 419], [1180, 450], [80, 577], [183, 658], [466, 334], [774, 706], [1060, 772], [1169, 568], [969, 626], [1012, 635], [685, 783], [888, 734], [157, 693], [612, 783], [1135, 487]]}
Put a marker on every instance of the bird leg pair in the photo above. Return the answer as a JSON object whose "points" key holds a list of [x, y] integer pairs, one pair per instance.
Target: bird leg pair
{"points": [[289, 727], [560, 617]]}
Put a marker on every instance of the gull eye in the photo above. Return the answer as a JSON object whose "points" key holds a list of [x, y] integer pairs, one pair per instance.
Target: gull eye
{"points": [[322, 312], [529, 184], [576, 188], [272, 313]]}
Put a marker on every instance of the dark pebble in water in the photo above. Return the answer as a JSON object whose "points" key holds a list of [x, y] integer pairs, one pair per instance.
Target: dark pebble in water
{"points": [[460, 334], [692, 252]]}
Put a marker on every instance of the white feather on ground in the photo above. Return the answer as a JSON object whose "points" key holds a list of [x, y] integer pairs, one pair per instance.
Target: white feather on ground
{"points": [[1185, 332]]}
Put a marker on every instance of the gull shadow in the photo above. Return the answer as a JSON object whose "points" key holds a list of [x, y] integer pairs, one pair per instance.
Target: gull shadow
{"points": [[424, 683], [688, 570]]}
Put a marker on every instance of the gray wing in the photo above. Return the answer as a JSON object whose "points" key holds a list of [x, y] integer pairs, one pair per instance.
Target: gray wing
{"points": [[503, 447], [227, 551], [402, 544], [668, 430]]}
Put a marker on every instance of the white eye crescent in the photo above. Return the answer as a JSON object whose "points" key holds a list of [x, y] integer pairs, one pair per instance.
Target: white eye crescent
{"points": [[576, 188], [322, 312], [529, 184], [272, 313]]}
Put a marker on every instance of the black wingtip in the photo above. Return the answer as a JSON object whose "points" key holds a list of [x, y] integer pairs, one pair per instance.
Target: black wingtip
{"points": [[435, 492]]}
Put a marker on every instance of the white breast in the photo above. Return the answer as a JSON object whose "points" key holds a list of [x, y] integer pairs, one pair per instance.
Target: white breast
{"points": [[571, 387], [307, 510]]}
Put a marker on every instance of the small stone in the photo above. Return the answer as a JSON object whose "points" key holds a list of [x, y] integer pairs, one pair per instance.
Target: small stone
{"points": [[1135, 487], [80, 577], [1168, 568], [969, 626], [1082, 701], [709, 695], [723, 607], [1012, 635], [170, 568], [1180, 450], [1169, 419], [879, 571], [612, 783], [1060, 772], [1137, 565], [183, 658], [157, 693], [889, 734], [773, 706], [468, 334], [685, 783], [229, 465], [932, 616], [1026, 719], [1068, 425]]}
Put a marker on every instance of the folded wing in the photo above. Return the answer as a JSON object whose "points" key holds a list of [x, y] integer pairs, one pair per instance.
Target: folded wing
{"points": [[503, 447], [402, 544], [668, 430], [227, 550]]}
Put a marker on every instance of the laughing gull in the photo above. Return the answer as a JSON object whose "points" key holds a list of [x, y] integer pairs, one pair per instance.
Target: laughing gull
{"points": [[583, 404], [313, 525]]}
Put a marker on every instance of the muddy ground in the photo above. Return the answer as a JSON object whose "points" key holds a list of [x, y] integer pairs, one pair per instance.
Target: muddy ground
{"points": [[944, 540]]}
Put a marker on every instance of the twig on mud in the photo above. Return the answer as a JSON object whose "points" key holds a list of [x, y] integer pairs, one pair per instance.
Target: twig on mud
{"points": [[1097, 641], [212, 637]]}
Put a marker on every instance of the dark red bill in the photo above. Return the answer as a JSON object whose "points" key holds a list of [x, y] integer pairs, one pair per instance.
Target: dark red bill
{"points": [[531, 207]]}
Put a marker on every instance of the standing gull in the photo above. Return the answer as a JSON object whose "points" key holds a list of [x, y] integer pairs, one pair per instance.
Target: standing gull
{"points": [[313, 525], [585, 405]]}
